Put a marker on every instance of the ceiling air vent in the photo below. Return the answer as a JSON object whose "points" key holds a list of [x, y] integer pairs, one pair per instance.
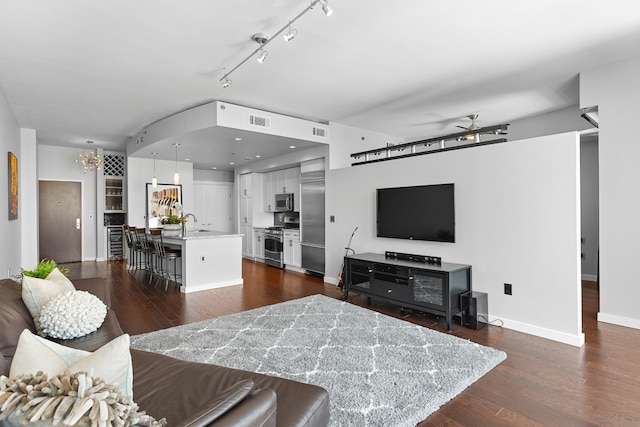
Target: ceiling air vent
{"points": [[263, 122], [320, 132]]}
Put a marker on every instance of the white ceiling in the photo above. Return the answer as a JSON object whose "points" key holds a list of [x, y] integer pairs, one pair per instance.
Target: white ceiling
{"points": [[78, 70]]}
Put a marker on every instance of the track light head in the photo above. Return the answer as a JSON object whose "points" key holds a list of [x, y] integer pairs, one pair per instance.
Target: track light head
{"points": [[263, 56], [226, 82], [290, 34], [326, 8]]}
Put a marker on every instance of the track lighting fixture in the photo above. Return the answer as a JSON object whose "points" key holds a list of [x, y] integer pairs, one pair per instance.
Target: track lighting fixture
{"points": [[176, 176], [154, 180], [263, 39], [290, 34]]}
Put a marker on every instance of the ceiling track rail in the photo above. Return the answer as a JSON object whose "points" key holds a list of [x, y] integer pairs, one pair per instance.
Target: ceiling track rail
{"points": [[395, 151]]}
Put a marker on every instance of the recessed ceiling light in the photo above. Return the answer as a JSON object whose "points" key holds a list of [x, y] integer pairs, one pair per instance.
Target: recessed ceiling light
{"points": [[187, 160], [292, 146], [257, 156], [214, 167], [231, 163], [238, 139]]}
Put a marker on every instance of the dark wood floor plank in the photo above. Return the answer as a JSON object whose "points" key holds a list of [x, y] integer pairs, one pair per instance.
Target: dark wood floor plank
{"points": [[542, 382]]}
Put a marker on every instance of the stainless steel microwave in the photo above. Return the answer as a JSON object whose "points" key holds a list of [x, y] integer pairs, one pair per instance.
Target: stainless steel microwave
{"points": [[284, 202]]}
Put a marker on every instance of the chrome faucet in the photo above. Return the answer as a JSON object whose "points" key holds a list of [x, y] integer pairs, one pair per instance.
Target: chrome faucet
{"points": [[184, 223], [192, 216]]}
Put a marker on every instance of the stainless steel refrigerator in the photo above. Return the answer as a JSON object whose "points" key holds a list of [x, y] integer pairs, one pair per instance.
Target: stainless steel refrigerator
{"points": [[312, 220]]}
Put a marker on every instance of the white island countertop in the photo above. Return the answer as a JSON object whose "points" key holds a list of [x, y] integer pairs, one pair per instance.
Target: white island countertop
{"points": [[210, 259], [201, 234]]}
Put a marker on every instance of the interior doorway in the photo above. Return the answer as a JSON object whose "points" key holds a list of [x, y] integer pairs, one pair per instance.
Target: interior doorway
{"points": [[59, 226], [589, 206], [589, 218]]}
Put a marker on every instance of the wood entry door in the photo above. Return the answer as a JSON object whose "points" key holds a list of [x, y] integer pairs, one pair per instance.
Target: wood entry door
{"points": [[59, 214]]}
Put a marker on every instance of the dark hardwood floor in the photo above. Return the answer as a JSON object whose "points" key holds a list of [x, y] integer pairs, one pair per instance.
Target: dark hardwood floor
{"points": [[542, 382]]}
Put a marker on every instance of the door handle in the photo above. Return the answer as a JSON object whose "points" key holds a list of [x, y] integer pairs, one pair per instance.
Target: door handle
{"points": [[77, 223]]}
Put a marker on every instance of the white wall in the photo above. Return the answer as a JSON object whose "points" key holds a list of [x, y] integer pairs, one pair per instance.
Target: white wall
{"points": [[615, 89], [346, 140], [10, 251], [212, 176], [29, 197], [140, 172], [559, 121], [57, 164], [517, 221]]}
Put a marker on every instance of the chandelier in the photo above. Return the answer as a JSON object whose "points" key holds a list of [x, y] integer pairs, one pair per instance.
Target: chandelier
{"points": [[90, 160]]}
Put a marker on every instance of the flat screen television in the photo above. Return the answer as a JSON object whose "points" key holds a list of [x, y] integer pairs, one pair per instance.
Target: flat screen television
{"points": [[424, 212]]}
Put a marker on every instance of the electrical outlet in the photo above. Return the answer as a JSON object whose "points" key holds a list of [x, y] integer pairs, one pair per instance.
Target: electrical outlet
{"points": [[507, 288]]}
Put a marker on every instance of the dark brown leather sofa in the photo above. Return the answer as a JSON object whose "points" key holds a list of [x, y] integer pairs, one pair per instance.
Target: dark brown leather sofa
{"points": [[185, 393]]}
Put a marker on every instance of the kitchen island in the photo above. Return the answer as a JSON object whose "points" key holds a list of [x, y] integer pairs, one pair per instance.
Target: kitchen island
{"points": [[210, 259]]}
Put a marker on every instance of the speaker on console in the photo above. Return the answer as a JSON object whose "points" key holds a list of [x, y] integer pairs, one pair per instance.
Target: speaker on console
{"points": [[475, 309]]}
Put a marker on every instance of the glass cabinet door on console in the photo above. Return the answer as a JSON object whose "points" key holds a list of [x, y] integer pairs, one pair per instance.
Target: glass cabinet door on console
{"points": [[429, 288], [358, 274]]}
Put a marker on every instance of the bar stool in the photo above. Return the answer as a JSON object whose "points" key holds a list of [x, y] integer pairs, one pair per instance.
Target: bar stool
{"points": [[135, 250], [164, 256], [130, 246], [145, 253], [155, 260], [149, 249]]}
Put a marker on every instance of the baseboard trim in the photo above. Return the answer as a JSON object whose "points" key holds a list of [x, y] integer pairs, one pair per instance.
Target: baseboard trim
{"points": [[563, 337], [615, 319]]}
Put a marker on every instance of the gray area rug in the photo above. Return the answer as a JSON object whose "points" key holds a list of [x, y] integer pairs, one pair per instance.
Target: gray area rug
{"points": [[378, 370]]}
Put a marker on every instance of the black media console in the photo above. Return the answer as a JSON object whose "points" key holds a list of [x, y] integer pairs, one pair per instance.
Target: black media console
{"points": [[432, 288]]}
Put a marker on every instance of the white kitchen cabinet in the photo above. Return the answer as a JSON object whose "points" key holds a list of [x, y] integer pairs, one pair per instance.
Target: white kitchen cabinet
{"points": [[246, 185], [269, 192], [258, 243], [292, 249], [251, 211], [246, 211], [247, 240]]}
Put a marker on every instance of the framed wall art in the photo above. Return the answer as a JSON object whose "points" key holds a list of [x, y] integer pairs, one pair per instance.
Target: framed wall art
{"points": [[162, 201], [13, 186]]}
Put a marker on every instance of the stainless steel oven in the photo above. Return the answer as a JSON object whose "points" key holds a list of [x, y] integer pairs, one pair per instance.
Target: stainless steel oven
{"points": [[273, 248]]}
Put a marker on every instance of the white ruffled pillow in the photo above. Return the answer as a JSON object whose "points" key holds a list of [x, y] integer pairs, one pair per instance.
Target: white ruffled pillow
{"points": [[72, 314]]}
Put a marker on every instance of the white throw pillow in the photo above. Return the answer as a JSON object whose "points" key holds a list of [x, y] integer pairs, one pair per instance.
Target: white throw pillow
{"points": [[72, 314], [112, 362], [37, 292]]}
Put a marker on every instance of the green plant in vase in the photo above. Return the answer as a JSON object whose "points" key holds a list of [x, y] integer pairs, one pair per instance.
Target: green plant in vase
{"points": [[173, 219], [42, 270]]}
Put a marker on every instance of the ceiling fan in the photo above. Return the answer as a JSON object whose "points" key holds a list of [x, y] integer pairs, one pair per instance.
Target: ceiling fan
{"points": [[473, 125]]}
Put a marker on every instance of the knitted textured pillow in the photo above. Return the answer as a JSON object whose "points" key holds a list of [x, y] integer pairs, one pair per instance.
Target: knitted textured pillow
{"points": [[72, 314], [37, 292]]}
